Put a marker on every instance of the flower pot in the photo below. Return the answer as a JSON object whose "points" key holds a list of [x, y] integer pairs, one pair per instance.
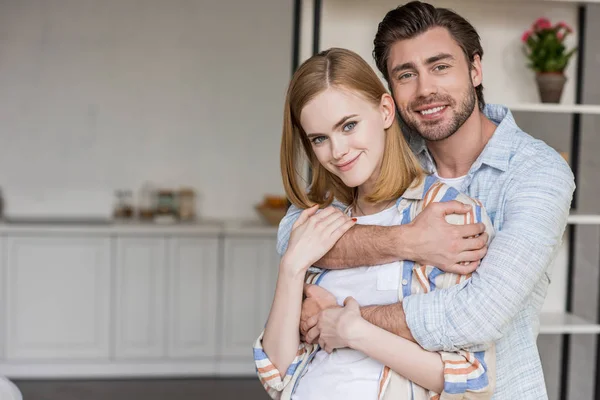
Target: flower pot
{"points": [[550, 86]]}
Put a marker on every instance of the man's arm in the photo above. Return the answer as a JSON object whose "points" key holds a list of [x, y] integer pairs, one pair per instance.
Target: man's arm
{"points": [[419, 241], [478, 310]]}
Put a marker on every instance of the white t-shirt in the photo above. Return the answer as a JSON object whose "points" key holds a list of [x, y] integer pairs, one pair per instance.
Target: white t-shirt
{"points": [[348, 374], [456, 183]]}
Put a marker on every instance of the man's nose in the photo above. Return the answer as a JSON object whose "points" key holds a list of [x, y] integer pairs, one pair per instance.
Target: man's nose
{"points": [[426, 85]]}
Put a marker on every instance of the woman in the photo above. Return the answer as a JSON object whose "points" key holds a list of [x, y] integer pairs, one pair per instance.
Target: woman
{"points": [[340, 116]]}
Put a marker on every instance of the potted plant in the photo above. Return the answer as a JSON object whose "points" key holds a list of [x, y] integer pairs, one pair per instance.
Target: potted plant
{"points": [[544, 46]]}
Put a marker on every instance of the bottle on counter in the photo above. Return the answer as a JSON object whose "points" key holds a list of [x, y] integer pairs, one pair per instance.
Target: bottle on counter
{"points": [[187, 204], [147, 202], [166, 211]]}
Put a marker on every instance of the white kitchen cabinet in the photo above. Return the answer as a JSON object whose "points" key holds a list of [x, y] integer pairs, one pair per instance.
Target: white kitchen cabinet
{"points": [[249, 276], [192, 297], [57, 297], [132, 300], [141, 265]]}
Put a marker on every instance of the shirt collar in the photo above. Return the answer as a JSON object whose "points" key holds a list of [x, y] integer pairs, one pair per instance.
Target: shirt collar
{"points": [[496, 153], [417, 192]]}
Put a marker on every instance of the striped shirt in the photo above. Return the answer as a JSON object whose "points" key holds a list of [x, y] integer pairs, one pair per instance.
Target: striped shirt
{"points": [[464, 372]]}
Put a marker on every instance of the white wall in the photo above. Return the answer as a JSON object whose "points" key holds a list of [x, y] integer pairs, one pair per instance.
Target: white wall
{"points": [[104, 94], [353, 23]]}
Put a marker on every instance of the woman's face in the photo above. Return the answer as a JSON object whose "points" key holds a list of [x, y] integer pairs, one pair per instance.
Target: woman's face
{"points": [[347, 134]]}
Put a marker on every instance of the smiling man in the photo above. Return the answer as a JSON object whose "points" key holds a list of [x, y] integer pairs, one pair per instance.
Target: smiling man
{"points": [[431, 58]]}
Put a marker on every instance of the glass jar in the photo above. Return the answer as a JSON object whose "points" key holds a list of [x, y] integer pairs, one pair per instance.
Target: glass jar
{"points": [[123, 208], [165, 207], [147, 202], [187, 204]]}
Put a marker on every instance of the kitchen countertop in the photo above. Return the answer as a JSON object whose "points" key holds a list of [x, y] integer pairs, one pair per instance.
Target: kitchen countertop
{"points": [[200, 227], [213, 227]]}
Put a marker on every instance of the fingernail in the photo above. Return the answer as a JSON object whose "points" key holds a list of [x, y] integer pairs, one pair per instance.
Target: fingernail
{"points": [[354, 219]]}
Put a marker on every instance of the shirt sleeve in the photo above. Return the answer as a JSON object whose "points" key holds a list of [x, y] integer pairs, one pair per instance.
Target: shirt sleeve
{"points": [[476, 312], [270, 377], [468, 375], [285, 228]]}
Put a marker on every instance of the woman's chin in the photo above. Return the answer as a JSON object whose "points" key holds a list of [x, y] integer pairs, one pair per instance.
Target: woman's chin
{"points": [[352, 181]]}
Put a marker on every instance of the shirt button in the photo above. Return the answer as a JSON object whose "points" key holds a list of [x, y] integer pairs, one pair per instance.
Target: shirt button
{"points": [[403, 203], [404, 282]]}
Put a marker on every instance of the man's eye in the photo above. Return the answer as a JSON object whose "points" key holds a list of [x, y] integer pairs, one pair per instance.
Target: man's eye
{"points": [[405, 76], [318, 139], [441, 67], [349, 126]]}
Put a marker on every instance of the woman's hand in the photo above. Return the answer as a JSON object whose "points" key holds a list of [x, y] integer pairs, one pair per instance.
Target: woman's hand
{"points": [[313, 235], [338, 327]]}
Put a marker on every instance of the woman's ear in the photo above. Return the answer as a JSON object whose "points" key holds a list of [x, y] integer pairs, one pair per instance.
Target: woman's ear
{"points": [[388, 110]]}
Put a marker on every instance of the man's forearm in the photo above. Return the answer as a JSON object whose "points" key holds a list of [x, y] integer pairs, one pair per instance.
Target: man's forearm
{"points": [[390, 317], [366, 245]]}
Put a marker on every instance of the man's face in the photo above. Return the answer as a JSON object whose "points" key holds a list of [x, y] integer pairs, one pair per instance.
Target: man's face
{"points": [[432, 83]]}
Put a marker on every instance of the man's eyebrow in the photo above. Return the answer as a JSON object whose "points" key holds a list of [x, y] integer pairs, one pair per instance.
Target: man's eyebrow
{"points": [[402, 67], [430, 60], [439, 57]]}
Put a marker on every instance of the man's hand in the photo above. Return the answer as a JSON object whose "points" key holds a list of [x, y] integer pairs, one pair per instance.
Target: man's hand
{"points": [[451, 248], [317, 300]]}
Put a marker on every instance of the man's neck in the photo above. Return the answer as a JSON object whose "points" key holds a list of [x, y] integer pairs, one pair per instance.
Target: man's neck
{"points": [[455, 155]]}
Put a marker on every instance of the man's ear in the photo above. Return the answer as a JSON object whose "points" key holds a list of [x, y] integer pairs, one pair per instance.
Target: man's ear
{"points": [[388, 110], [476, 71]]}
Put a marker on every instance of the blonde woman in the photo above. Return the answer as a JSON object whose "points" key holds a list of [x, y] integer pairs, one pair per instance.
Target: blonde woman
{"points": [[340, 117]]}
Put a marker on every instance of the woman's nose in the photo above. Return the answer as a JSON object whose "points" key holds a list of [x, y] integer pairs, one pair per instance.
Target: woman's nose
{"points": [[339, 147]]}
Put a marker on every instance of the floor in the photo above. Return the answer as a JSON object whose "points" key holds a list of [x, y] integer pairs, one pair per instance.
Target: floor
{"points": [[171, 389]]}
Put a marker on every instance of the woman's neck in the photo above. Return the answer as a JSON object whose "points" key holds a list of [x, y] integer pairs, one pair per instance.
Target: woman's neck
{"points": [[363, 207]]}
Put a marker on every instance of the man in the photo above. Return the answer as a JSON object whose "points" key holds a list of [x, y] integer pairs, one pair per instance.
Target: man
{"points": [[431, 58]]}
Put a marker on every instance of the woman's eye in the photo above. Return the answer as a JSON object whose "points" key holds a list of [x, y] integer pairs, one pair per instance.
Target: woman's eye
{"points": [[318, 139], [349, 126]]}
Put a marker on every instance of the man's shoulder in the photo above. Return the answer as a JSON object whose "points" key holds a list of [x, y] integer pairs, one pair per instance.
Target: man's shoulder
{"points": [[531, 154], [514, 150]]}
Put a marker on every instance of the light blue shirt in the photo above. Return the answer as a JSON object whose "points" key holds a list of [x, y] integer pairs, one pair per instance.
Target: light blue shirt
{"points": [[526, 188]]}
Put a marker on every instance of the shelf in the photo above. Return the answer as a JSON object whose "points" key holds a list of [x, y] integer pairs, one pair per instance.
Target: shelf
{"points": [[576, 2], [556, 108], [583, 219], [557, 323]]}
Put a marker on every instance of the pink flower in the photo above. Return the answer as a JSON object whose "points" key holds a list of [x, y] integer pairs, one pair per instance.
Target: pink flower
{"points": [[564, 25], [560, 36], [542, 23], [526, 36]]}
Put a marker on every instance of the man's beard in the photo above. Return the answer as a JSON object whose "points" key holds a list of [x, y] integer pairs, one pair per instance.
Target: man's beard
{"points": [[440, 129]]}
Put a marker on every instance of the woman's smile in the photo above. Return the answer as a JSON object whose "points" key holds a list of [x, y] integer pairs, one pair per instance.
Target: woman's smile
{"points": [[347, 165]]}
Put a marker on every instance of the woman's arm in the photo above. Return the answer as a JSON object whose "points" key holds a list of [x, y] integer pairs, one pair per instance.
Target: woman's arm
{"points": [[404, 357], [282, 337], [312, 236], [344, 327], [459, 375]]}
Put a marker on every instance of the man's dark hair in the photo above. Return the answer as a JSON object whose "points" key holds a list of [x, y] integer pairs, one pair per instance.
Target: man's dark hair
{"points": [[415, 18]]}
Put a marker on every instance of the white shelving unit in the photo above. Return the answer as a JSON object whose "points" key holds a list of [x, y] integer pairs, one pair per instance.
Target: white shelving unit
{"points": [[560, 323], [584, 219], [555, 320], [556, 108]]}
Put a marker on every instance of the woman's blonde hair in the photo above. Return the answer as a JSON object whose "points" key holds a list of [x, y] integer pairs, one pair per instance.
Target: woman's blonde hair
{"points": [[342, 69]]}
